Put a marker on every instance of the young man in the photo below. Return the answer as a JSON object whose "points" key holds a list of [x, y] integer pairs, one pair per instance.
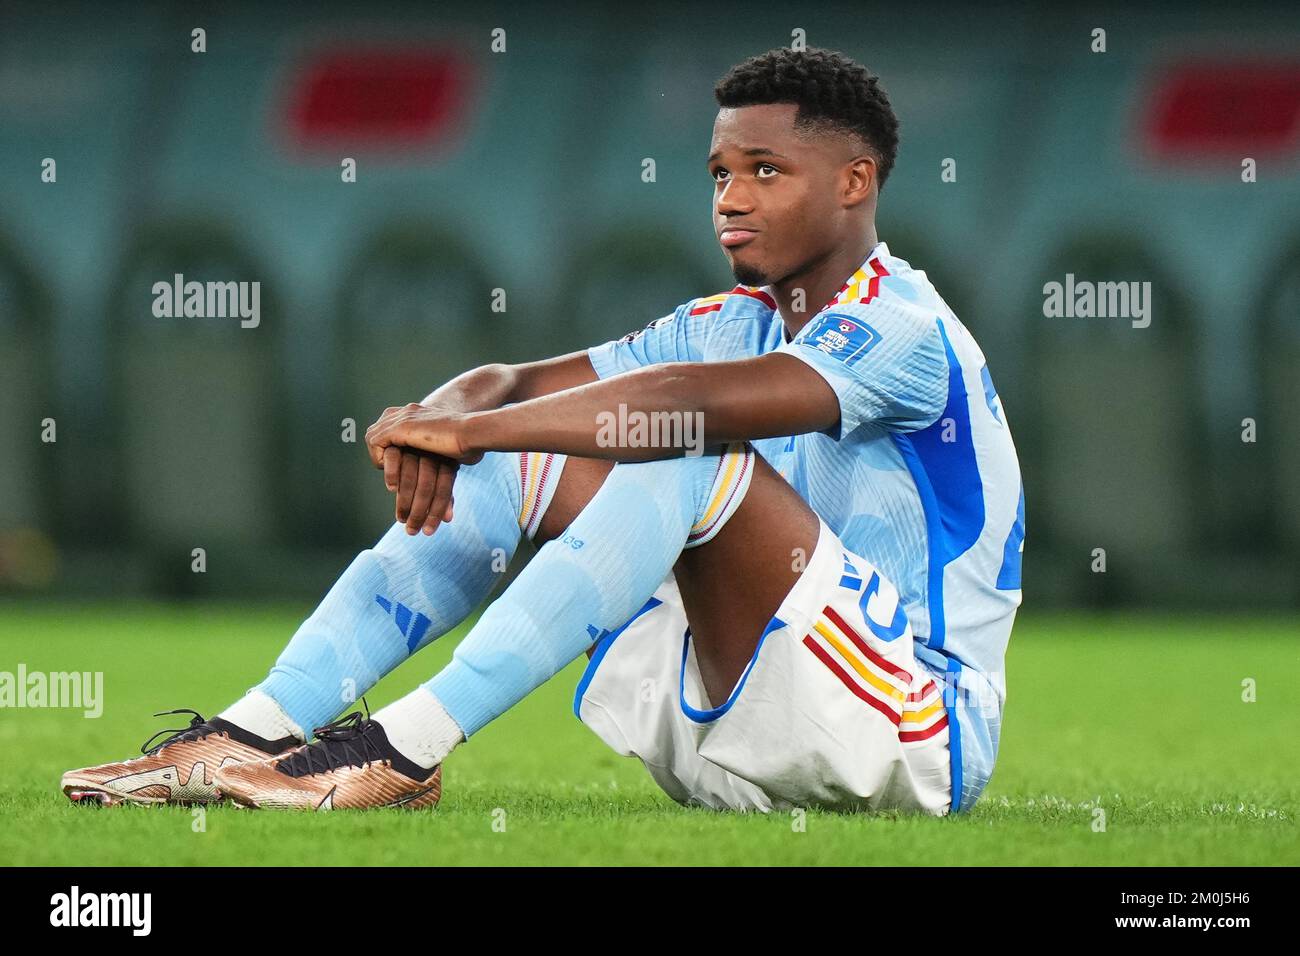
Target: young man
{"points": [[813, 612]]}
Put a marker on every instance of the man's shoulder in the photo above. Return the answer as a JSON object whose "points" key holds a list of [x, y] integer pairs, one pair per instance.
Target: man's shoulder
{"points": [[882, 312], [698, 315], [891, 293], [738, 299]]}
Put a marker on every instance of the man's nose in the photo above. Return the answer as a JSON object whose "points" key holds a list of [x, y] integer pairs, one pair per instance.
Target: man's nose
{"points": [[734, 200]]}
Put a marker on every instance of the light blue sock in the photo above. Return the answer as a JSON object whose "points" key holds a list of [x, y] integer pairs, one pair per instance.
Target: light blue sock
{"points": [[399, 596], [592, 579]]}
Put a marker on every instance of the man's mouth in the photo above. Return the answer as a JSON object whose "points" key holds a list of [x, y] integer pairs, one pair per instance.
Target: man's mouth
{"points": [[730, 238]]}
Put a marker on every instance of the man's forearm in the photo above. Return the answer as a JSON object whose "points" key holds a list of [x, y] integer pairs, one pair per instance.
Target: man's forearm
{"points": [[485, 387], [491, 386], [662, 411]]}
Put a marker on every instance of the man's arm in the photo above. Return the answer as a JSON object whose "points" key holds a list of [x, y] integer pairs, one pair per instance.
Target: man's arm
{"points": [[772, 395], [491, 386], [422, 483]]}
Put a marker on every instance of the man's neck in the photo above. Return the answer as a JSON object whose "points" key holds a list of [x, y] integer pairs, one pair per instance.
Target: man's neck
{"points": [[813, 287]]}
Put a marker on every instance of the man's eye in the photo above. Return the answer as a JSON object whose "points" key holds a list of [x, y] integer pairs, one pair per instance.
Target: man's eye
{"points": [[718, 174], [766, 170]]}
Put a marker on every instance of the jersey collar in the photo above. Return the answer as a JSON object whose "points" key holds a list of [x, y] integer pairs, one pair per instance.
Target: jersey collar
{"points": [[862, 286]]}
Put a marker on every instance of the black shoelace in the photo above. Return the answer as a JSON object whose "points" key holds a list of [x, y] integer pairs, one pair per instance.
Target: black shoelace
{"points": [[345, 742], [197, 730]]}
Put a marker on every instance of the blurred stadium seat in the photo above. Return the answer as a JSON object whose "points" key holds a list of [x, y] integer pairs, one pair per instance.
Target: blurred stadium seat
{"points": [[921, 253], [624, 280], [415, 310], [1279, 380], [28, 479], [195, 406], [1108, 447], [526, 172]]}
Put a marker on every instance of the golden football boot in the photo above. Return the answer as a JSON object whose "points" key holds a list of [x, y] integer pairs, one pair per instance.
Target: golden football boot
{"points": [[350, 766], [178, 769]]}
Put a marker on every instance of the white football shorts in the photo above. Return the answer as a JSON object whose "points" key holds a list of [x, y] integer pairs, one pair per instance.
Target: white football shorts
{"points": [[833, 710]]}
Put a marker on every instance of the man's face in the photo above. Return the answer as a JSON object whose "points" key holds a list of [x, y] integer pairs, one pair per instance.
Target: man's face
{"points": [[775, 203]]}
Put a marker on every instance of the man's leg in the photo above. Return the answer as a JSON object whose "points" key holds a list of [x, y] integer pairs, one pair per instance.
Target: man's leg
{"points": [[547, 617], [765, 545], [594, 578], [394, 599], [807, 733], [582, 479], [399, 596], [771, 534], [803, 647]]}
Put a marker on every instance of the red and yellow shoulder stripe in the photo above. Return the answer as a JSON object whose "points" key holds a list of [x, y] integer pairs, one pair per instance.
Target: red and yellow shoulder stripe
{"points": [[710, 303], [863, 285], [713, 303]]}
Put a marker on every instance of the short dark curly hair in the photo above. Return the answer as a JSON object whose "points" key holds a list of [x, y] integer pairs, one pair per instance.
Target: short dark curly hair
{"points": [[833, 93]]}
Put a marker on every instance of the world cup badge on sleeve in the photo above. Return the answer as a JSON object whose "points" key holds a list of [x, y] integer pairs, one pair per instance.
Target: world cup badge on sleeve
{"points": [[843, 337]]}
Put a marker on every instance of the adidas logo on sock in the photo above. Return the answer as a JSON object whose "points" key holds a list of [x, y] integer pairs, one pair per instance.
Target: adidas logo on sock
{"points": [[412, 624]]}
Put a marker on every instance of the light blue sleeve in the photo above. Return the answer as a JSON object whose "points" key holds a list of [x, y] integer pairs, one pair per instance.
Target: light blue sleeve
{"points": [[676, 337], [885, 360]]}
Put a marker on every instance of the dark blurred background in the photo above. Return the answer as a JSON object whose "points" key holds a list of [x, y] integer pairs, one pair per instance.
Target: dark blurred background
{"points": [[522, 170]]}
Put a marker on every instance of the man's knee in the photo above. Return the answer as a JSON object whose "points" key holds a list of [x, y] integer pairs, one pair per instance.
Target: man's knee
{"points": [[579, 482], [714, 484]]}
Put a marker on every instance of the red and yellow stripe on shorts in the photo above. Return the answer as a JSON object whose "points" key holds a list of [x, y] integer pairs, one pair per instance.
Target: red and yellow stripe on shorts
{"points": [[912, 704]]}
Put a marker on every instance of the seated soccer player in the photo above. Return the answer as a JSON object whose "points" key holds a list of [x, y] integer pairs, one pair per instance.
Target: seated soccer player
{"points": [[811, 612]]}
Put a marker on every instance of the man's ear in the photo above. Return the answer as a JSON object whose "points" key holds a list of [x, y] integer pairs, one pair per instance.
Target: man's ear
{"points": [[859, 181]]}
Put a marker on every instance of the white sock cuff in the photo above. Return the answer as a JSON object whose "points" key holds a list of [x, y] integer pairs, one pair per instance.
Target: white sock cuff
{"points": [[730, 483], [420, 728], [259, 713], [539, 476]]}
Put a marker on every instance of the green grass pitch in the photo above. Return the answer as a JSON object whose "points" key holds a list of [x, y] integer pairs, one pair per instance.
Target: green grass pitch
{"points": [[1140, 715]]}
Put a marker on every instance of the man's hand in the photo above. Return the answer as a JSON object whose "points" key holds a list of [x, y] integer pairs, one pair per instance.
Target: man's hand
{"points": [[423, 486], [433, 429], [422, 482], [488, 387]]}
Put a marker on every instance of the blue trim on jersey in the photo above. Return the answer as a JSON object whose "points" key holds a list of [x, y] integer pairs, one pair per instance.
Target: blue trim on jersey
{"points": [[599, 654], [707, 716], [1013, 551], [850, 582], [954, 731], [990, 393], [948, 482], [934, 558]]}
